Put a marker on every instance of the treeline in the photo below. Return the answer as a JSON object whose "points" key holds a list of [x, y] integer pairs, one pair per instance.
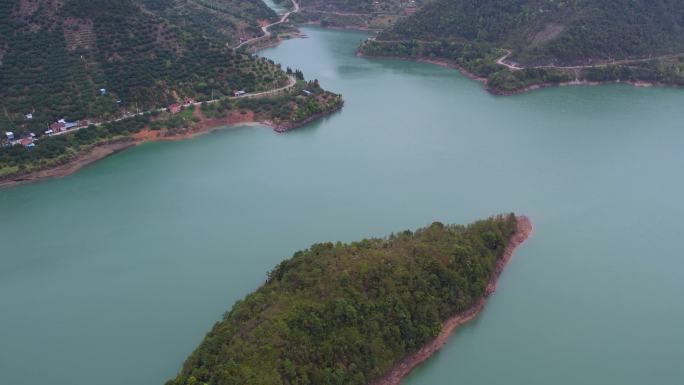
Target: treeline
{"points": [[344, 313], [669, 72]]}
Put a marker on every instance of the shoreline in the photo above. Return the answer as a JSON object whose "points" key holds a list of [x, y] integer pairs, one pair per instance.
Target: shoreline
{"points": [[577, 82], [70, 166], [433, 61], [289, 126], [110, 147], [497, 92], [404, 367]]}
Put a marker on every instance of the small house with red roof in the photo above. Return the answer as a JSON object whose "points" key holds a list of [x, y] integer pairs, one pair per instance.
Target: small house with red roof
{"points": [[57, 127], [174, 108]]}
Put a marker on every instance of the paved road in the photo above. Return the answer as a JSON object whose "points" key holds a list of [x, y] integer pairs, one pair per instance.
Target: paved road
{"points": [[291, 81], [265, 28], [515, 67]]}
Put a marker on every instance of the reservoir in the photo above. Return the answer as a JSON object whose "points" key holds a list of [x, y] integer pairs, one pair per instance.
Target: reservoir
{"points": [[113, 275]]}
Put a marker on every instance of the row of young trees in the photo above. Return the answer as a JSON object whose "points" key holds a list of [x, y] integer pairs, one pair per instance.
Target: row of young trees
{"points": [[144, 60]]}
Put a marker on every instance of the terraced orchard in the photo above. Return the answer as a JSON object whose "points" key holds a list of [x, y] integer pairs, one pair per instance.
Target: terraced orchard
{"points": [[96, 58]]}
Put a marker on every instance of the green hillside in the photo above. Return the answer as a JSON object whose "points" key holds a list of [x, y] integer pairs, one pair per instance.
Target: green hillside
{"points": [[553, 31], [550, 41], [344, 313], [56, 56]]}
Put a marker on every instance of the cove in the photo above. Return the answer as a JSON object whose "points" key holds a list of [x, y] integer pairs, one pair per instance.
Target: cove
{"points": [[113, 275]]}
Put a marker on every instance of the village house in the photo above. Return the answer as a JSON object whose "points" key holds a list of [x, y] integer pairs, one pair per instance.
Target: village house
{"points": [[306, 92], [27, 142], [29, 116], [239, 93], [57, 127], [10, 135]]}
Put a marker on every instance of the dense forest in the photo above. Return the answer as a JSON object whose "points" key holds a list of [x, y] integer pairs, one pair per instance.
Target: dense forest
{"points": [[607, 40], [55, 57], [553, 31], [344, 313]]}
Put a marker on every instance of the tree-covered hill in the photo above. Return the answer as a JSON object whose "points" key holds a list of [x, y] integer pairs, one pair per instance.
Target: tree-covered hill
{"points": [[345, 313], [56, 56], [546, 42], [550, 31]]}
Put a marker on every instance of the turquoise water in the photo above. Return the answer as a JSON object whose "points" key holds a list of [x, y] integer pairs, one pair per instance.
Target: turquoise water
{"points": [[113, 275]]}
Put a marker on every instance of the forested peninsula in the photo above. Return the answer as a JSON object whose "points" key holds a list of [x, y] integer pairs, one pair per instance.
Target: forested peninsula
{"points": [[366, 312], [80, 79], [517, 45]]}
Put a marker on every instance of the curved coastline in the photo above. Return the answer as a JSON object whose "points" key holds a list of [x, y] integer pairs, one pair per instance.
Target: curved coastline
{"points": [[72, 165], [422, 59], [404, 367], [498, 92], [110, 147]]}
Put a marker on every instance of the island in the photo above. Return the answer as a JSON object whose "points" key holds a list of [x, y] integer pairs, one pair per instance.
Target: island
{"points": [[520, 45], [82, 79], [366, 312]]}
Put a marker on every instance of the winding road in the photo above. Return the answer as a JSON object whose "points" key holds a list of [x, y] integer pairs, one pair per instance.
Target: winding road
{"points": [[265, 28], [291, 81], [515, 67]]}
